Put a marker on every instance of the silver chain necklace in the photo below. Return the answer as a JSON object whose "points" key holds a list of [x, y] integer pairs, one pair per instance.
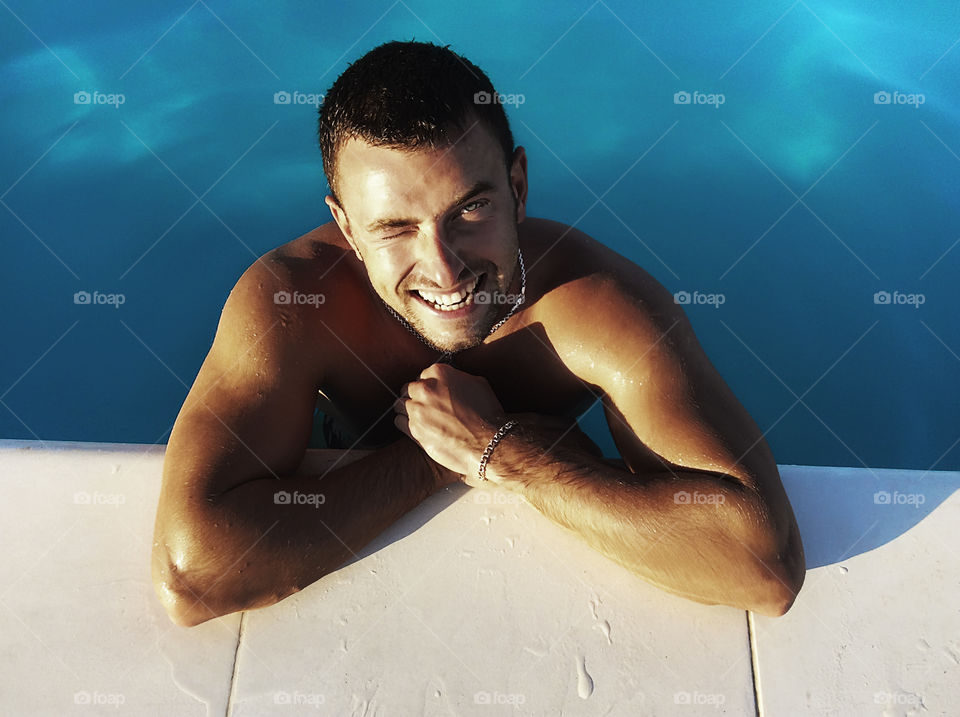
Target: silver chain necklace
{"points": [[447, 356]]}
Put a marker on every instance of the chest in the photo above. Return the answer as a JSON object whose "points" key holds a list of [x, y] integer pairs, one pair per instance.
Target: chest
{"points": [[522, 369]]}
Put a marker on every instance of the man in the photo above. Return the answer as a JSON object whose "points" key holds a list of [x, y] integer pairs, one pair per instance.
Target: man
{"points": [[460, 339]]}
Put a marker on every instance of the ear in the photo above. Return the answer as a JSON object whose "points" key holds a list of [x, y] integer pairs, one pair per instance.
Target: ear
{"points": [[518, 181], [340, 217]]}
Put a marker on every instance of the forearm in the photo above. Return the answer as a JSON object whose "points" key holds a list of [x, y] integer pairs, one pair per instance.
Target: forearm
{"points": [[682, 531], [269, 538]]}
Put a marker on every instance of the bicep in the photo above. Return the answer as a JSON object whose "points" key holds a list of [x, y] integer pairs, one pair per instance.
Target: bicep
{"points": [[666, 404], [249, 412]]}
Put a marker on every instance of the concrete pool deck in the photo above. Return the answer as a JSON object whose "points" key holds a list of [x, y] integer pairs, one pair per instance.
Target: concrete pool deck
{"points": [[473, 604]]}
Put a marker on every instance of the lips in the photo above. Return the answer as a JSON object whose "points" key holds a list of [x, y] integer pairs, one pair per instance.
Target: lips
{"points": [[449, 301]]}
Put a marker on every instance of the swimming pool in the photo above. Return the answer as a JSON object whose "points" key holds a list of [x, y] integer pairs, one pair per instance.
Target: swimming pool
{"points": [[791, 171]]}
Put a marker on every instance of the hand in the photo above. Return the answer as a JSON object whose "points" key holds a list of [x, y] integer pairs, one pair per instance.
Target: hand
{"points": [[452, 415]]}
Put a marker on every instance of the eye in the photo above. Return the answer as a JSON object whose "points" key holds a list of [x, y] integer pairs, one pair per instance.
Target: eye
{"points": [[405, 232], [474, 206]]}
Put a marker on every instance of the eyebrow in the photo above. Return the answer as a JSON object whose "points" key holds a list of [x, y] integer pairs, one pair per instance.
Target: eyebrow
{"points": [[396, 223]]}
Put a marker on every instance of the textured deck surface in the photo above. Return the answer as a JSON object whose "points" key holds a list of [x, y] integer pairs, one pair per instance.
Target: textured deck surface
{"points": [[473, 604]]}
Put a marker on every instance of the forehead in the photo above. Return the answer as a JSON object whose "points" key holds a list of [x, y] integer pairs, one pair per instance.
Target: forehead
{"points": [[373, 178]]}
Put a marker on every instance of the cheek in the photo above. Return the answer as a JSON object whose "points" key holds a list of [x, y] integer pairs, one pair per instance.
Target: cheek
{"points": [[389, 269]]}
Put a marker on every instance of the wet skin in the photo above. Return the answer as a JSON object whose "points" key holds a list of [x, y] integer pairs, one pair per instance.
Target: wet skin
{"points": [[594, 325]]}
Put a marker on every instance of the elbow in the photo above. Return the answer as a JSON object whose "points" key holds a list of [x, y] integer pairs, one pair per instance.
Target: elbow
{"points": [[188, 603], [784, 578]]}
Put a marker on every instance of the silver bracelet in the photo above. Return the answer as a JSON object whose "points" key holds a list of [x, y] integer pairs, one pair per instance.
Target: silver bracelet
{"points": [[482, 471]]}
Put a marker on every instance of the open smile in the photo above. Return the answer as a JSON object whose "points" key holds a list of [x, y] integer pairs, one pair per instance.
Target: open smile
{"points": [[452, 302]]}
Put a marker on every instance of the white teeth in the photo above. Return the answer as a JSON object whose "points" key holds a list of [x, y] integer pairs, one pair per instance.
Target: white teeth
{"points": [[449, 302]]}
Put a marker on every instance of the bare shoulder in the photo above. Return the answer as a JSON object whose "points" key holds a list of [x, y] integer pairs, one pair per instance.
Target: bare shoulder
{"points": [[579, 280]]}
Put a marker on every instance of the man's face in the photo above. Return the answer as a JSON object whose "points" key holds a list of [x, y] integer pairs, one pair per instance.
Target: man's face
{"points": [[431, 225]]}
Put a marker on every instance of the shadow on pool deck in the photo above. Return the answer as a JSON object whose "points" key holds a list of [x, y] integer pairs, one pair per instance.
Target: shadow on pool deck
{"points": [[844, 512]]}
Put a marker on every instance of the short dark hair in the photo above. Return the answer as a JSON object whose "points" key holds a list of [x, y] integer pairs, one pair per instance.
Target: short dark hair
{"points": [[408, 95]]}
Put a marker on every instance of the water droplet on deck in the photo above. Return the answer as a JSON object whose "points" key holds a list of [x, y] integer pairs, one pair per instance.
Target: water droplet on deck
{"points": [[584, 680], [604, 627]]}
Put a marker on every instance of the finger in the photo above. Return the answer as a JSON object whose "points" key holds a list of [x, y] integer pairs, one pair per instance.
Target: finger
{"points": [[403, 423], [400, 406]]}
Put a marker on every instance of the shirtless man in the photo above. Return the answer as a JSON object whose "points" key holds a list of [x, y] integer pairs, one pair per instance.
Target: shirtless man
{"points": [[429, 197]]}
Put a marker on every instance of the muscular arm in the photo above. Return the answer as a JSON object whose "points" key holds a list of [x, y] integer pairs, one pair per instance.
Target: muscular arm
{"points": [[701, 512], [687, 532], [226, 536]]}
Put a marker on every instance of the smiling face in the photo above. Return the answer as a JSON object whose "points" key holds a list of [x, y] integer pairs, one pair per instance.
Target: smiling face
{"points": [[435, 228]]}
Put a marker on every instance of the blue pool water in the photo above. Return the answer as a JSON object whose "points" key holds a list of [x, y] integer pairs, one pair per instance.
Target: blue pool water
{"points": [[797, 199]]}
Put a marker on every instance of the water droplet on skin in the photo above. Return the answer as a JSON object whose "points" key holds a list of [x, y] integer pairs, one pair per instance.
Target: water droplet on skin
{"points": [[436, 693], [584, 680]]}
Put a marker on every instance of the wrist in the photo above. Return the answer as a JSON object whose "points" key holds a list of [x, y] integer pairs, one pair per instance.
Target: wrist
{"points": [[483, 467]]}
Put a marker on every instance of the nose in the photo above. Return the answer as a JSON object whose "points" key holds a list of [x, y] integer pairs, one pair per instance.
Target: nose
{"points": [[437, 258]]}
